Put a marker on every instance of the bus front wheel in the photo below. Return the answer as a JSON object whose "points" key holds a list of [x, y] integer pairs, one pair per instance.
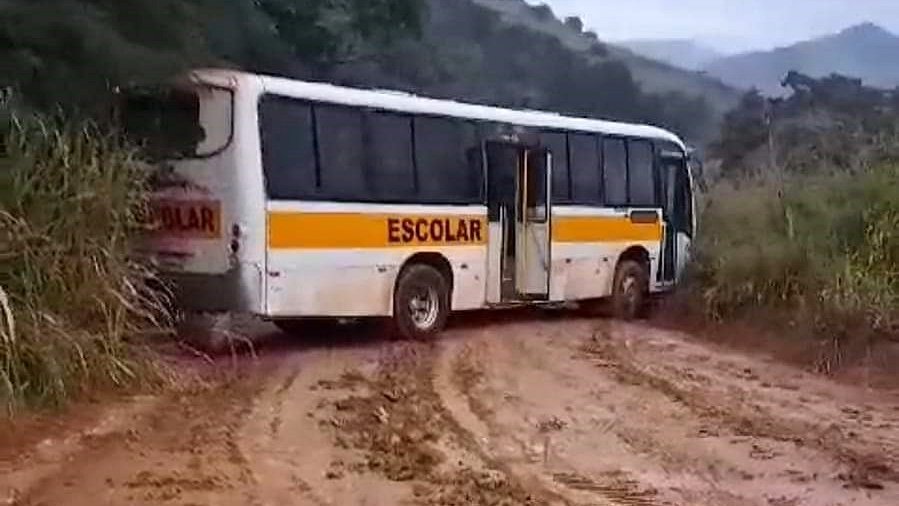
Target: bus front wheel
{"points": [[631, 290], [421, 302]]}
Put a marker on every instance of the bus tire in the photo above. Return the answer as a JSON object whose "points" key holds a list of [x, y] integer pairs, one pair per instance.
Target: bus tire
{"points": [[630, 292], [421, 302]]}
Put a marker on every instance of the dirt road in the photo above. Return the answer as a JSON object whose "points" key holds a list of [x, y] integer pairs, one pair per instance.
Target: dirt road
{"points": [[532, 411]]}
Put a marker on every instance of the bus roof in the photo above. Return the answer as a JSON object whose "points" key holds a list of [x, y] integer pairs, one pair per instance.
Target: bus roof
{"points": [[405, 102]]}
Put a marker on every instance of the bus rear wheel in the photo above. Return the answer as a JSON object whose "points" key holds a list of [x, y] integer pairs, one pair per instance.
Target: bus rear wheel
{"points": [[630, 294], [420, 302]]}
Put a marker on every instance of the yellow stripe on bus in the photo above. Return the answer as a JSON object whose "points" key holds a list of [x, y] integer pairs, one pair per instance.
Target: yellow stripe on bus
{"points": [[294, 230], [604, 229], [357, 230]]}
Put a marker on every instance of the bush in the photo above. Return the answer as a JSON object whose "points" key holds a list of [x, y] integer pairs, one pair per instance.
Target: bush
{"points": [[824, 247], [72, 201], [574, 23]]}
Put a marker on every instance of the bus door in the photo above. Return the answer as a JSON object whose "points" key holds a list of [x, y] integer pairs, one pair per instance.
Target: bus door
{"points": [[519, 209], [677, 209]]}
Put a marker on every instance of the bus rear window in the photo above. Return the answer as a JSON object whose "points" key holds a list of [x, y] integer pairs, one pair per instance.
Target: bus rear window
{"points": [[179, 123]]}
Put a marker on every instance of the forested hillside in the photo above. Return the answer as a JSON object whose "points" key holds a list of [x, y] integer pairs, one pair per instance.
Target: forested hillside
{"points": [[75, 51], [827, 125], [682, 53], [865, 51], [653, 75]]}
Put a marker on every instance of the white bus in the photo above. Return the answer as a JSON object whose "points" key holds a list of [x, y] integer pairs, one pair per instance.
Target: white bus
{"points": [[295, 200]]}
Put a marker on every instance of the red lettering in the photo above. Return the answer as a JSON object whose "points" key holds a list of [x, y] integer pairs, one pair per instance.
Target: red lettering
{"points": [[437, 231], [193, 220], [393, 230], [168, 219], [447, 226], [476, 231], [208, 220], [179, 219], [421, 230], [462, 232], [408, 230]]}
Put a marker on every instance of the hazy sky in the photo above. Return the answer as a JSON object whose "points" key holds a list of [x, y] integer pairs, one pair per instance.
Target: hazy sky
{"points": [[729, 25]]}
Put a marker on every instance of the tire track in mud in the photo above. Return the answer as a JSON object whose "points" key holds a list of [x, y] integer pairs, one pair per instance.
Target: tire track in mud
{"points": [[865, 469], [399, 423], [186, 451], [575, 412], [614, 489], [608, 413], [278, 406]]}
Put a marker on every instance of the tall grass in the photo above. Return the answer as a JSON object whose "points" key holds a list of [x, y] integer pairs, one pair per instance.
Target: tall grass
{"points": [[72, 200], [824, 249]]}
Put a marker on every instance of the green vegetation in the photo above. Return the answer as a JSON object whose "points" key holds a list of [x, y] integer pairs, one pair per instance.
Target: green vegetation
{"points": [[73, 196], [471, 52], [821, 241], [75, 51], [815, 238], [71, 204], [828, 125]]}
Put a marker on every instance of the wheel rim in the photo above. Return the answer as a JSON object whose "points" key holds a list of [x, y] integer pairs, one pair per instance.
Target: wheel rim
{"points": [[630, 293], [424, 307]]}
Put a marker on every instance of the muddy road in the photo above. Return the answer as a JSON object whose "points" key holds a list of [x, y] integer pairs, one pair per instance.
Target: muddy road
{"points": [[533, 411]]}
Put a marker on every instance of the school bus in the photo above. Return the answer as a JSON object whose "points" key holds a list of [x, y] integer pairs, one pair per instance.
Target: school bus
{"points": [[298, 200]]}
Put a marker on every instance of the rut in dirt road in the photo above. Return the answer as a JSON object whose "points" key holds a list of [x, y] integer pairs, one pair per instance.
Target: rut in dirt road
{"points": [[633, 415], [538, 412]]}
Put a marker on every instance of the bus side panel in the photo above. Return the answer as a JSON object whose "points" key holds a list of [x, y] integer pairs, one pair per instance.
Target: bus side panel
{"points": [[343, 260], [469, 277], [587, 245], [584, 270], [342, 283], [331, 282]]}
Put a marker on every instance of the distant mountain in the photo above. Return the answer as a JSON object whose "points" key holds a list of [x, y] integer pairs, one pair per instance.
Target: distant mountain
{"points": [[654, 76], [866, 51], [684, 53]]}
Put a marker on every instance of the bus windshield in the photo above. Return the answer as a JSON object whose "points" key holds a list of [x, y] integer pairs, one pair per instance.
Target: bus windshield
{"points": [[179, 123]]}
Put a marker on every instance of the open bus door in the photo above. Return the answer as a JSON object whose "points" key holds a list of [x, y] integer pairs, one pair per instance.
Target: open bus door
{"points": [[520, 215], [677, 207]]}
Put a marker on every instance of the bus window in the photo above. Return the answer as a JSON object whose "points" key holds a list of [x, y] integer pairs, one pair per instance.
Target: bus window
{"points": [[536, 187], [586, 182], [557, 144], [683, 202], [288, 148], [641, 176], [391, 165], [448, 160], [341, 150], [615, 171], [179, 123]]}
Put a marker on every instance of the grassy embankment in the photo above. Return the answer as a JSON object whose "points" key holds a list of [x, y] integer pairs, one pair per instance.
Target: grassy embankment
{"points": [[817, 254], [72, 200]]}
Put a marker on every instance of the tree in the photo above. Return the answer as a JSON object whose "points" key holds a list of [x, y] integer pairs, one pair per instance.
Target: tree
{"points": [[543, 12], [574, 23], [73, 51], [743, 130]]}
